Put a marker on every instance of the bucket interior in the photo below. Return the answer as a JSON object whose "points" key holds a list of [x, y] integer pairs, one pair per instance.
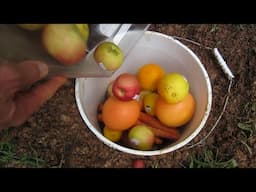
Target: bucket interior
{"points": [[173, 56]]}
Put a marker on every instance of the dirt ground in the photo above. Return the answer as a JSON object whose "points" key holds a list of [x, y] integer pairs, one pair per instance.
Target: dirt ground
{"points": [[58, 135]]}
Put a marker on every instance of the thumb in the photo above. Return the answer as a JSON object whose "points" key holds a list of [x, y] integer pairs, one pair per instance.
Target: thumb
{"points": [[31, 71]]}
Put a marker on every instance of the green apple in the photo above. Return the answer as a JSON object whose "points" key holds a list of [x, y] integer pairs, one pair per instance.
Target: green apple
{"points": [[141, 137], [64, 42], [109, 56]]}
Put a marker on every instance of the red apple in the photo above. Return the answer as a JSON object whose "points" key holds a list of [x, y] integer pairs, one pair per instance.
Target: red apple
{"points": [[138, 163], [64, 42], [126, 87]]}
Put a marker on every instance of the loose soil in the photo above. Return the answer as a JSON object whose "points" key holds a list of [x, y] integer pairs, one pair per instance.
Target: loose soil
{"points": [[58, 135]]}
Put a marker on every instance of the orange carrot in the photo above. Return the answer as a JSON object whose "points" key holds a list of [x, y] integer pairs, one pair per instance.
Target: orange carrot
{"points": [[168, 134], [158, 140], [165, 134], [138, 122], [146, 118], [156, 124]]}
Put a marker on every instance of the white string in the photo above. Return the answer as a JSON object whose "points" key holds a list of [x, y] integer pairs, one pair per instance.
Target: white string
{"points": [[217, 121], [229, 75], [193, 42]]}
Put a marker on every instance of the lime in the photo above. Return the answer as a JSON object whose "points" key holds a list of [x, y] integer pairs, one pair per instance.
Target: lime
{"points": [[173, 87]]}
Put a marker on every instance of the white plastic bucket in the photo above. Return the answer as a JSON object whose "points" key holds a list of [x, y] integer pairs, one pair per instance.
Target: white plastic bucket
{"points": [[173, 56]]}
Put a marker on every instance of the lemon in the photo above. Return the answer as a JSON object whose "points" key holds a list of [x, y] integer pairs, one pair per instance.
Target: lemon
{"points": [[84, 30], [141, 97], [112, 135], [149, 103], [31, 27], [173, 87]]}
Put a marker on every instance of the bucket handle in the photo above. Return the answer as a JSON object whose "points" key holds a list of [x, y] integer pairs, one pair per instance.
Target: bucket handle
{"points": [[228, 73]]}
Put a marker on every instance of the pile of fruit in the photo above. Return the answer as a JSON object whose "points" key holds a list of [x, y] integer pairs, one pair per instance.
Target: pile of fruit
{"points": [[146, 110], [67, 43]]}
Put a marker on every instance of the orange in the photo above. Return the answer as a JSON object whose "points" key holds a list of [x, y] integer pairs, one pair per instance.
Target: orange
{"points": [[175, 115], [120, 115], [148, 76]]}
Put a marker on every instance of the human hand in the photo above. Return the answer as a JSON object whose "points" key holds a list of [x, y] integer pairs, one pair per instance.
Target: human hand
{"points": [[18, 104]]}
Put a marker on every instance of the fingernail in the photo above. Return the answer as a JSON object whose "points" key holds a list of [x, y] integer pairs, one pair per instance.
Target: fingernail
{"points": [[43, 69]]}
